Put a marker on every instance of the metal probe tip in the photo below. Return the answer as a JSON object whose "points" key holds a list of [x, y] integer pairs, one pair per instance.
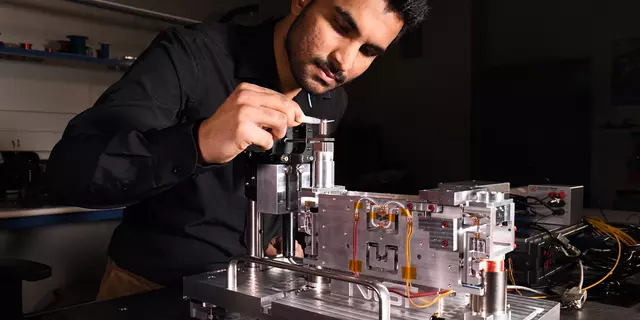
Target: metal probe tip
{"points": [[312, 120]]}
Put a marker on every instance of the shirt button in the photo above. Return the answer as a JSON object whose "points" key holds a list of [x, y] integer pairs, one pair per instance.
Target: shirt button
{"points": [[176, 170], [125, 187]]}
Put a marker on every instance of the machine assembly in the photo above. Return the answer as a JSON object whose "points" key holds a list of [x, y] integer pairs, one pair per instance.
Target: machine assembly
{"points": [[438, 254]]}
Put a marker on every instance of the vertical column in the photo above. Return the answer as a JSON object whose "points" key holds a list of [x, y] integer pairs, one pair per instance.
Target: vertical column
{"points": [[323, 165], [255, 232], [289, 235], [494, 301]]}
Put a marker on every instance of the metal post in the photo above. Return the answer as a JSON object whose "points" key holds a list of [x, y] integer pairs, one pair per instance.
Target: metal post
{"points": [[290, 219], [494, 301], [255, 242], [289, 235], [384, 306], [323, 164]]}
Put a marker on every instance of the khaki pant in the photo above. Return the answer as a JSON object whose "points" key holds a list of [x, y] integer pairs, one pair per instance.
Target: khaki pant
{"points": [[118, 282]]}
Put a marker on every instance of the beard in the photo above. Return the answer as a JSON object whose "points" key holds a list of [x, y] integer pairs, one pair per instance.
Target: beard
{"points": [[301, 67]]}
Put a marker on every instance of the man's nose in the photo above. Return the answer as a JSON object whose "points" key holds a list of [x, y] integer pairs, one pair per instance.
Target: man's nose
{"points": [[345, 58]]}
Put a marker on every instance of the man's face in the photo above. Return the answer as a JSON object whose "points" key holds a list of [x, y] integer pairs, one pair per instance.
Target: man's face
{"points": [[332, 42]]}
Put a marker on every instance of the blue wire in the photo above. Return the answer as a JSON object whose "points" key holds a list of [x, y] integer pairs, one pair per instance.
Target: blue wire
{"points": [[309, 96]]}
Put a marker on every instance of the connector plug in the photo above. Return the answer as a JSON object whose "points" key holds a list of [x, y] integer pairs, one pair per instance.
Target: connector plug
{"points": [[574, 298]]}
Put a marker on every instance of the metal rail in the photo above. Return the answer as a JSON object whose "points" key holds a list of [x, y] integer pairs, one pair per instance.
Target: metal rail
{"points": [[384, 306], [255, 232], [119, 7]]}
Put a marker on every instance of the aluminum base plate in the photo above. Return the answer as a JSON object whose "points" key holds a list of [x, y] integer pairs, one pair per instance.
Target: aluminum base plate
{"points": [[282, 294]]}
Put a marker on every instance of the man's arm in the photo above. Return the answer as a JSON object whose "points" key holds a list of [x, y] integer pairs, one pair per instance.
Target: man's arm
{"points": [[134, 143], [131, 144]]}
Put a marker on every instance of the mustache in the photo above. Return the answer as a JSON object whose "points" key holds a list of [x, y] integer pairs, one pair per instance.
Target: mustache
{"points": [[337, 73]]}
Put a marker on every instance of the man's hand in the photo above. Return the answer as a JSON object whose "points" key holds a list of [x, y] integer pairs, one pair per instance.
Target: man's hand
{"points": [[275, 248], [250, 115]]}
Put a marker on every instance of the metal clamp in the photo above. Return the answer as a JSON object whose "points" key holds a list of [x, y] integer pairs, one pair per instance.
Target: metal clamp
{"points": [[384, 306]]}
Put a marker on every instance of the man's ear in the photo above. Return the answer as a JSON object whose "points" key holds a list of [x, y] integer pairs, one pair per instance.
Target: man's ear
{"points": [[298, 5]]}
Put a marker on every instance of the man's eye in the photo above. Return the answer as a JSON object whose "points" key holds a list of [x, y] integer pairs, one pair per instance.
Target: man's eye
{"points": [[340, 28], [368, 52]]}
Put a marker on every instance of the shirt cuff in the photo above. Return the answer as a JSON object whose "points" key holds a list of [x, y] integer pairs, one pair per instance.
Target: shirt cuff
{"points": [[201, 165], [176, 154]]}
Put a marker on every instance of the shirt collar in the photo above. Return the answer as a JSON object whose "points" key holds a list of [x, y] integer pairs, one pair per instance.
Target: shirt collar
{"points": [[254, 56]]}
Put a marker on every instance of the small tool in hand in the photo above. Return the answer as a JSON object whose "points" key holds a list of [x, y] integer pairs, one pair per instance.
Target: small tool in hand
{"points": [[312, 120]]}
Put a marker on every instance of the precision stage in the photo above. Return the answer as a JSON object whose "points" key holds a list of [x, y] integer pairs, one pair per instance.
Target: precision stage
{"points": [[437, 254]]}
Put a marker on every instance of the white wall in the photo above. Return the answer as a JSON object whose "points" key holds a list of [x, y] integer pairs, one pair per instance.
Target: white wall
{"points": [[38, 100], [36, 103]]}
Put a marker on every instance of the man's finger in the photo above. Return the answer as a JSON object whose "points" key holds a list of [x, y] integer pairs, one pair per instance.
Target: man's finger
{"points": [[283, 104], [275, 101], [298, 114], [269, 119], [298, 117], [260, 137]]}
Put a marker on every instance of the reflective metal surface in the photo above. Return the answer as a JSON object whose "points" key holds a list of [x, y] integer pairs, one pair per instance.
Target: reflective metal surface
{"points": [[255, 231], [314, 305], [252, 295], [445, 241], [446, 247], [283, 294], [380, 290]]}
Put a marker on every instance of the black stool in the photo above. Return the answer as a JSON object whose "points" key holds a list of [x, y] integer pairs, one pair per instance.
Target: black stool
{"points": [[12, 273]]}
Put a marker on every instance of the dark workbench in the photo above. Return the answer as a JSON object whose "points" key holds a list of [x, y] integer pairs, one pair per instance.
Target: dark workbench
{"points": [[168, 304], [163, 304]]}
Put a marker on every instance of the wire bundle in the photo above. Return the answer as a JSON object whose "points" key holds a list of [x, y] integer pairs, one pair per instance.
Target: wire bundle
{"points": [[606, 229], [429, 303], [407, 294]]}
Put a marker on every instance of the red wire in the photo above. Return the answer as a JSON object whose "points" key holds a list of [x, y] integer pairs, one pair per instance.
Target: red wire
{"points": [[355, 245]]}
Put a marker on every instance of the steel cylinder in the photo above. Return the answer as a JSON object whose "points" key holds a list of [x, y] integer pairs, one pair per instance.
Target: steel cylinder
{"points": [[289, 235], [323, 165], [255, 231], [494, 301], [324, 128]]}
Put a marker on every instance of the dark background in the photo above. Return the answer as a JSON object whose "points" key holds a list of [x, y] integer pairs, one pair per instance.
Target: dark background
{"points": [[521, 91]]}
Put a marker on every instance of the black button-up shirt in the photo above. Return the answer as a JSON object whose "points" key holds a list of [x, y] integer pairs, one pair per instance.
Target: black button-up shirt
{"points": [[137, 147]]}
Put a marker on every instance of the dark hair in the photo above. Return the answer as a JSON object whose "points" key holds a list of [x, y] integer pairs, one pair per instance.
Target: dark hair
{"points": [[413, 12]]}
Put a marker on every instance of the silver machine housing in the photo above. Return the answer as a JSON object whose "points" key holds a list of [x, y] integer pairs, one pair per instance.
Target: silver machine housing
{"points": [[367, 253]]}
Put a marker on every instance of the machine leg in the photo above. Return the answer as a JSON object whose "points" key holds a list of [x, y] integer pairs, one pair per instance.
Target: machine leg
{"points": [[255, 232], [289, 235], [493, 304]]}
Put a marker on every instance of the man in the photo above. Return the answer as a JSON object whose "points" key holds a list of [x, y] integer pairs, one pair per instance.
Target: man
{"points": [[164, 140]]}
